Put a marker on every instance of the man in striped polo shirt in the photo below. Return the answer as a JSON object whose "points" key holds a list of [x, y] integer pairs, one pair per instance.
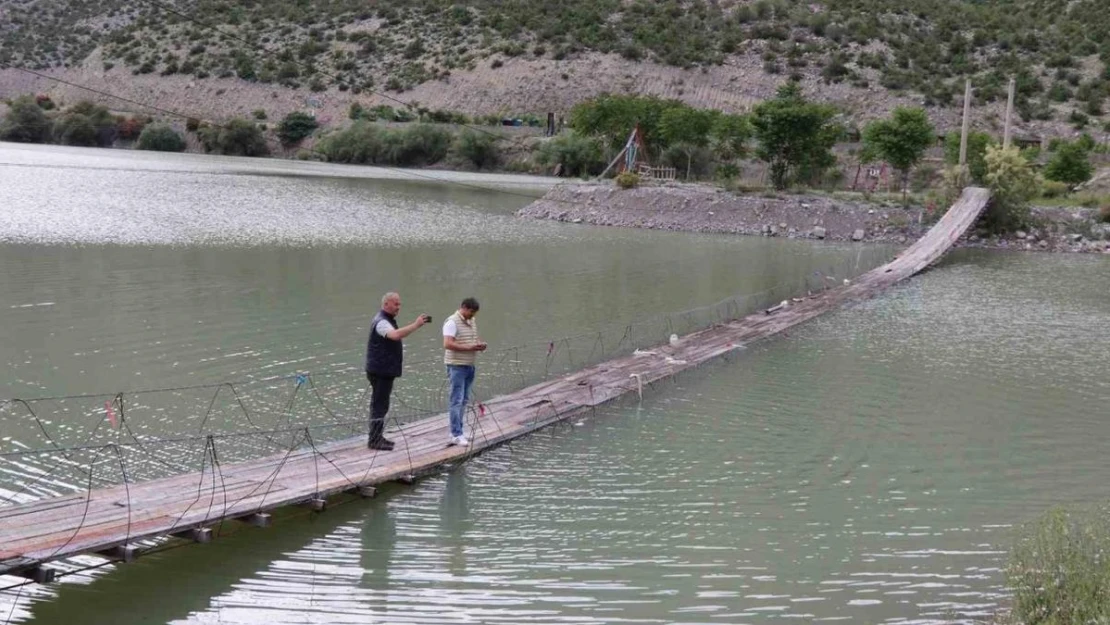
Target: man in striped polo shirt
{"points": [[461, 345]]}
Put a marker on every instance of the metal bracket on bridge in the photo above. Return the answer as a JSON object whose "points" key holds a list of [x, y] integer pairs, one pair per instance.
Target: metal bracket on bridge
{"points": [[257, 519], [121, 553], [197, 534]]}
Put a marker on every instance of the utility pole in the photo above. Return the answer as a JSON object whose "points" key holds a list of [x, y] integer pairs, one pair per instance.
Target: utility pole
{"points": [[1009, 113], [967, 123]]}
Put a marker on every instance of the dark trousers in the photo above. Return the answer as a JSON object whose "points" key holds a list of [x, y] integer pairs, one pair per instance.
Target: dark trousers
{"points": [[381, 387]]}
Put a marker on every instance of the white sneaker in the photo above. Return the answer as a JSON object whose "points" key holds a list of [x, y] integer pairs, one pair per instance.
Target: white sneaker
{"points": [[458, 440]]}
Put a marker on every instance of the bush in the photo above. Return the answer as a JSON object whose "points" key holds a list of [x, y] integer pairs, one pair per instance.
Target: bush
{"points": [[368, 143], [477, 147], [75, 129], [628, 180], [25, 122], [1058, 570], [1069, 165], [1013, 183], [259, 114], [295, 127], [575, 154], [130, 128], [192, 124], [160, 138], [977, 144], [1052, 188], [1104, 214], [240, 137]]}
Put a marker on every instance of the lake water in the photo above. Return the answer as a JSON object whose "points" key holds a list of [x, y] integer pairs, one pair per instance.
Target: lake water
{"points": [[869, 467]]}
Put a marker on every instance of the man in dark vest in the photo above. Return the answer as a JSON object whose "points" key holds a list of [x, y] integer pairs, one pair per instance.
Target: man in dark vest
{"points": [[383, 363]]}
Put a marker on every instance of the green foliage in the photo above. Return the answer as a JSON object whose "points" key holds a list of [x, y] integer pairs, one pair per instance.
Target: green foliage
{"points": [[75, 129], [977, 144], [1058, 570], [25, 122], [239, 137], [690, 160], [683, 124], [900, 140], [368, 143], [1013, 183], [259, 114], [612, 118], [795, 137], [729, 136], [1053, 189], [628, 180], [160, 138], [295, 126], [576, 154], [1070, 165], [479, 148]]}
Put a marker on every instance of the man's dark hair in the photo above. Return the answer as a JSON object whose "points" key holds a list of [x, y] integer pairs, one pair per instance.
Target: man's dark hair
{"points": [[470, 304]]}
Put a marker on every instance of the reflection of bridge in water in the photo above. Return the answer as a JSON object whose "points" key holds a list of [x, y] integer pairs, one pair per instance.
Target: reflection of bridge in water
{"points": [[123, 519]]}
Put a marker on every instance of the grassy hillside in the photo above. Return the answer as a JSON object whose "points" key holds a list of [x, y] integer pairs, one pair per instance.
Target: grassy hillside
{"points": [[1057, 48]]}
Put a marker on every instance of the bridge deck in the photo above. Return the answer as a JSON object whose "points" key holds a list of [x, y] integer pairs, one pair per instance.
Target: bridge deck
{"points": [[50, 529]]}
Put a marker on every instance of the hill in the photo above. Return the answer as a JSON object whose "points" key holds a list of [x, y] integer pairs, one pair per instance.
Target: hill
{"points": [[515, 56]]}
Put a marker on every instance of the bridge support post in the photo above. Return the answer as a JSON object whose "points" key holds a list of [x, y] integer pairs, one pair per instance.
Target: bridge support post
{"points": [[257, 519], [121, 553]]}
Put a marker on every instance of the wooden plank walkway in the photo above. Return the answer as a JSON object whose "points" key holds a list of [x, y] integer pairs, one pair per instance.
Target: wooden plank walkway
{"points": [[35, 533]]}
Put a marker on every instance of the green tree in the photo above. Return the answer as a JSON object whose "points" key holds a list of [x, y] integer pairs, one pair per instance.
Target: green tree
{"points": [[612, 118], [25, 122], [900, 140], [295, 126], [1070, 165], [794, 135], [684, 124], [729, 136], [1013, 183], [160, 138], [977, 144]]}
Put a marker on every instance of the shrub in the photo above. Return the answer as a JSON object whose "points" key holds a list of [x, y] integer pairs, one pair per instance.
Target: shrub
{"points": [[295, 126], [356, 111], [240, 137], [130, 128], [259, 114], [160, 138], [1013, 183], [1069, 165], [368, 143], [1104, 214], [577, 155], [1052, 188], [1058, 569], [192, 124], [75, 129], [479, 148], [628, 180], [25, 122]]}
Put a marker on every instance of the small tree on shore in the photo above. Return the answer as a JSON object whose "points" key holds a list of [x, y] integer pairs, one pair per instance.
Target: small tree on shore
{"points": [[1013, 183], [900, 140], [794, 134], [1070, 164], [295, 126]]}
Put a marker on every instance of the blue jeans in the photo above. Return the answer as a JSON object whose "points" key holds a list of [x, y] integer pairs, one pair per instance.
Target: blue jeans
{"points": [[462, 378]]}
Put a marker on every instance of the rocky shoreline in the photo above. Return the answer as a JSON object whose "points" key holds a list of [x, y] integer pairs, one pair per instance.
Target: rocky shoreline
{"points": [[706, 209]]}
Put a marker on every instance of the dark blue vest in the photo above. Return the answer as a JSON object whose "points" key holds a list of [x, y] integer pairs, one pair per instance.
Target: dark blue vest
{"points": [[383, 356]]}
